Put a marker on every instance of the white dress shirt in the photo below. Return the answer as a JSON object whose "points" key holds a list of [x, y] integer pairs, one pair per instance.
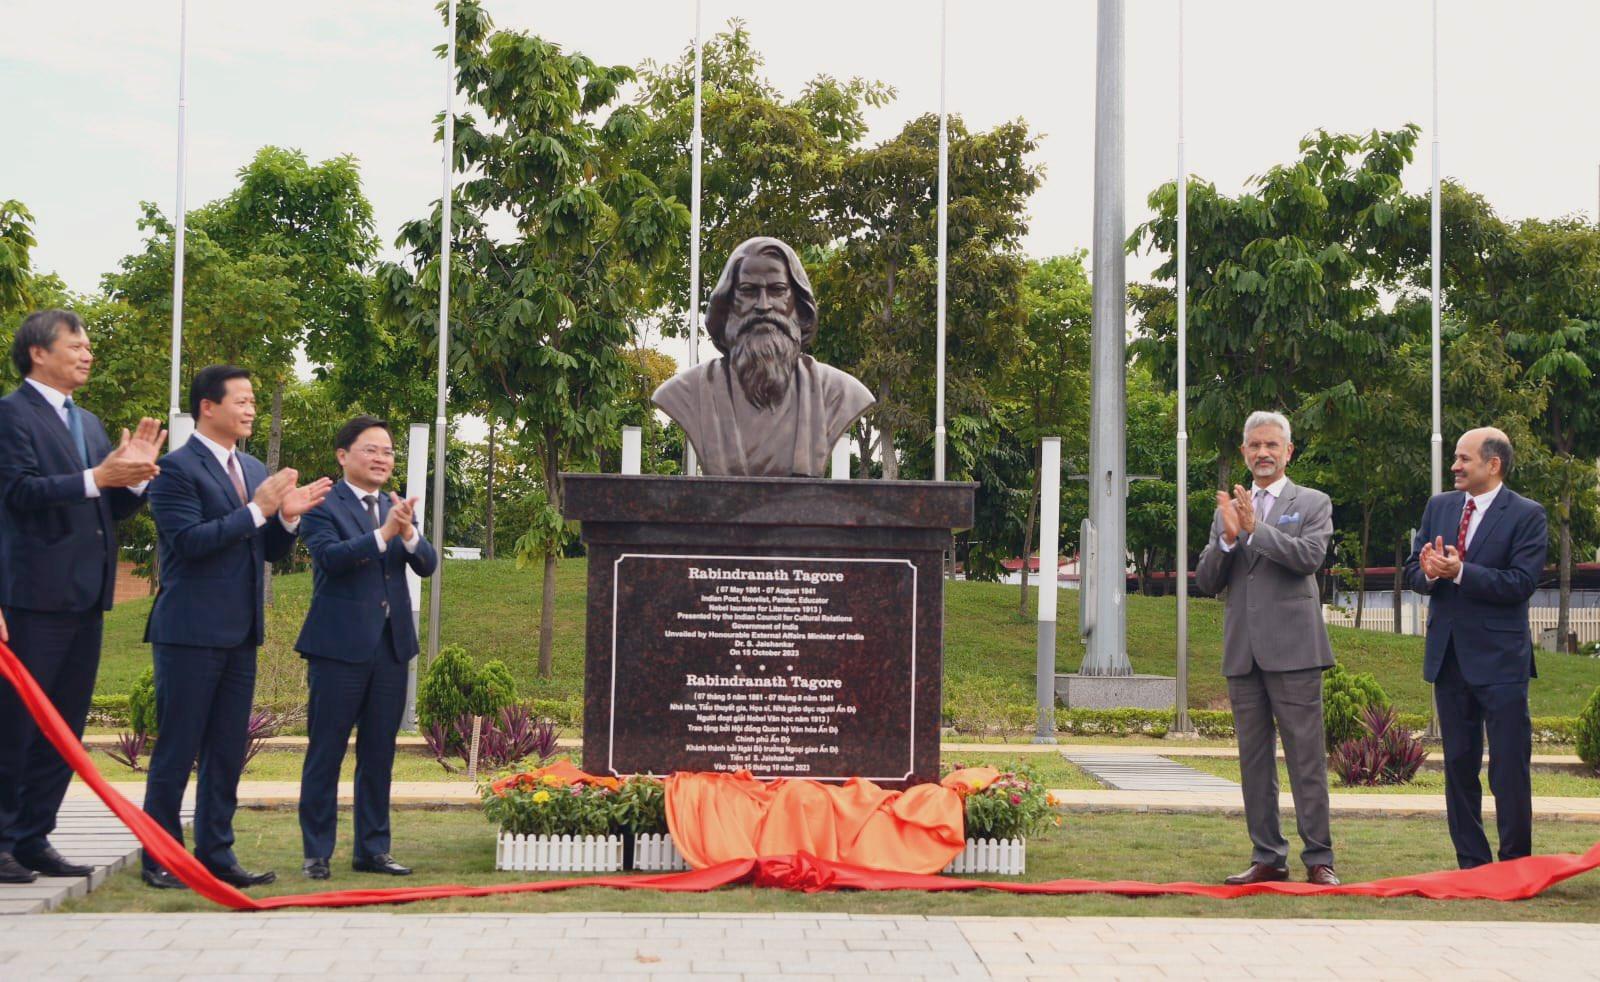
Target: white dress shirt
{"points": [[222, 454], [1263, 508], [58, 401], [412, 536]]}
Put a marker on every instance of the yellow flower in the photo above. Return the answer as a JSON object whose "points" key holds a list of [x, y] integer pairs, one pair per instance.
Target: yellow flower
{"points": [[541, 797], [551, 781]]}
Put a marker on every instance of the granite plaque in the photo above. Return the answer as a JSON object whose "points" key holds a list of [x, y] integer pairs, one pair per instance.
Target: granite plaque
{"points": [[790, 627], [782, 666]]}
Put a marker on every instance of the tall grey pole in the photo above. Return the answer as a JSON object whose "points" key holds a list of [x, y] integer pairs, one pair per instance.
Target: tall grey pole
{"points": [[441, 432], [1044, 671], [1436, 442], [1180, 719], [1107, 652], [179, 220], [690, 465], [944, 215]]}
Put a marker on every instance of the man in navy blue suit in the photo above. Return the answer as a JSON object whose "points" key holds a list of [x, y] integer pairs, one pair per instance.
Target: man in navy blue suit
{"points": [[219, 518], [357, 641], [62, 491], [1478, 554]]}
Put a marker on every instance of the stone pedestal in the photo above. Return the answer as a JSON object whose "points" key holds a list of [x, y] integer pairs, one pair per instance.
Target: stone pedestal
{"points": [[1076, 691], [791, 627]]}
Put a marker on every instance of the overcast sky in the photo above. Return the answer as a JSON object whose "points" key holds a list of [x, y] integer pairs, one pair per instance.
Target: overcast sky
{"points": [[90, 90]]}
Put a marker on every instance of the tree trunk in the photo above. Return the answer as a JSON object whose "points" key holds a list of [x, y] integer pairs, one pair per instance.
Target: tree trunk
{"points": [[1027, 536], [547, 603], [1564, 610], [891, 465], [864, 461], [274, 454], [1361, 567], [1222, 471], [1399, 583], [488, 498]]}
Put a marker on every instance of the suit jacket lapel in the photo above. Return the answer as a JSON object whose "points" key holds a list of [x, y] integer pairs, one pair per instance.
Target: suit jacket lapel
{"points": [[1280, 506], [50, 421], [209, 462], [1491, 518]]}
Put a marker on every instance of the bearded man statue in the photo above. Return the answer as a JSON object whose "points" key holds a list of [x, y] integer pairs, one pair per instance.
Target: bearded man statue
{"points": [[765, 408]]}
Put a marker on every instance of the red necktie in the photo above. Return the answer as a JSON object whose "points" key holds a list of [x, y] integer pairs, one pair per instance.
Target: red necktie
{"points": [[1461, 531]]}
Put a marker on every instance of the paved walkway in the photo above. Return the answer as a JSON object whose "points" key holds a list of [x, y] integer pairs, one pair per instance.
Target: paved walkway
{"points": [[1146, 772], [86, 832], [347, 945]]}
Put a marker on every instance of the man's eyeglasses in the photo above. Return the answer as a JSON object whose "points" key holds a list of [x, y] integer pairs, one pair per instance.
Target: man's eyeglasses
{"points": [[383, 453]]}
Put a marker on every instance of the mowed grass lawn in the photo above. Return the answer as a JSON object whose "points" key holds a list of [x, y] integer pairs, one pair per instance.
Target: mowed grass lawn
{"points": [[458, 847], [492, 609]]}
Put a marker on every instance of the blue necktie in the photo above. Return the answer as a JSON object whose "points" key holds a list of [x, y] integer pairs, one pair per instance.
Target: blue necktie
{"points": [[75, 427]]}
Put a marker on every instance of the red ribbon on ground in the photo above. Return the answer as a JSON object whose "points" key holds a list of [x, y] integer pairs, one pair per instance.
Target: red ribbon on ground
{"points": [[1518, 879]]}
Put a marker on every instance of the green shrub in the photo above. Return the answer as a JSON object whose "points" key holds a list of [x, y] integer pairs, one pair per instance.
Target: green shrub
{"points": [[108, 710], [640, 807], [564, 712], [142, 704], [1346, 696], [453, 687], [1589, 732]]}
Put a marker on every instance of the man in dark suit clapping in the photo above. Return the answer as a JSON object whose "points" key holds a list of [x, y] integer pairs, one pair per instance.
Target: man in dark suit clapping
{"points": [[219, 519], [63, 488], [1478, 555], [357, 641]]}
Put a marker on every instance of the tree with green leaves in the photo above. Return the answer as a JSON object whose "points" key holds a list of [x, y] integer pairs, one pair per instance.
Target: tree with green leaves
{"points": [[1049, 379], [1285, 280], [879, 284], [22, 290], [769, 164], [547, 291]]}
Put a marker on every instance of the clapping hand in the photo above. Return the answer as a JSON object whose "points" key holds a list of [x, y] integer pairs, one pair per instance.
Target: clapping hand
{"points": [[1246, 509], [1230, 518], [399, 522], [1439, 561], [270, 493], [133, 461], [298, 501]]}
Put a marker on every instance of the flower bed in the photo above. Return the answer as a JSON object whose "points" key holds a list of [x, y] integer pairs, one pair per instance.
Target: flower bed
{"points": [[1000, 815]]}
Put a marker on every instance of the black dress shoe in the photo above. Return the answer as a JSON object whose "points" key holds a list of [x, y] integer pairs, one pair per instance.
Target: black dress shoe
{"points": [[1258, 873], [315, 869], [160, 879], [12, 871], [238, 876], [1322, 875], [48, 862], [381, 863]]}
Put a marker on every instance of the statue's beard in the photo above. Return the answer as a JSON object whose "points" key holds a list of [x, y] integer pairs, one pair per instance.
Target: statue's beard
{"points": [[764, 353]]}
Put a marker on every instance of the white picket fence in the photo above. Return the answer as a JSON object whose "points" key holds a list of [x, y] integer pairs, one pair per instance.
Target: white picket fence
{"points": [[564, 853], [1008, 857], [657, 853], [1584, 621]]}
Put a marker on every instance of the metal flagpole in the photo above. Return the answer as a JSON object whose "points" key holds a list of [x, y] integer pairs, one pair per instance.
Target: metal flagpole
{"points": [[690, 465], [1108, 653], [1181, 717], [944, 215], [1044, 670], [180, 218], [441, 432], [1436, 443]]}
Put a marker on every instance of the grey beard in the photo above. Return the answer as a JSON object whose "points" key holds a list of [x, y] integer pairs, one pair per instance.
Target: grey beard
{"points": [[763, 357]]}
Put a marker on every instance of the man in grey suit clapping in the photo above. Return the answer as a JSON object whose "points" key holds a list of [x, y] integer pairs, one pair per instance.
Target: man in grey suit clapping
{"points": [[1266, 546]]}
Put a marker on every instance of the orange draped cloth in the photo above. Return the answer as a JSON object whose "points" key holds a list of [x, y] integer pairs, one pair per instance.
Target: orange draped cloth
{"points": [[715, 818]]}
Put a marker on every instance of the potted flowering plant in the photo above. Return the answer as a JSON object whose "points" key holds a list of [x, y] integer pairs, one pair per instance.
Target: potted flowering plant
{"points": [[555, 818], [1000, 815]]}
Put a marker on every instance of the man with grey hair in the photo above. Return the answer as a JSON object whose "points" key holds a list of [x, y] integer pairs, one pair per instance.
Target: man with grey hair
{"points": [[1266, 547], [63, 488], [764, 409], [1479, 553]]}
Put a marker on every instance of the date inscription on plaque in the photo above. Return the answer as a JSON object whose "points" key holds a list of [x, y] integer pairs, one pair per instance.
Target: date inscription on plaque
{"points": [[785, 667]]}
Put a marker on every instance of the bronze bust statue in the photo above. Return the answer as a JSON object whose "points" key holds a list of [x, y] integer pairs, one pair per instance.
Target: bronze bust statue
{"points": [[765, 408]]}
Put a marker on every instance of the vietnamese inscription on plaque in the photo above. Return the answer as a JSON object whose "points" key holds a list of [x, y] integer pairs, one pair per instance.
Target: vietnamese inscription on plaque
{"points": [[799, 667]]}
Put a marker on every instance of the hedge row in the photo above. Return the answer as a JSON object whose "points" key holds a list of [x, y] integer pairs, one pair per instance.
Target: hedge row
{"points": [[112, 711]]}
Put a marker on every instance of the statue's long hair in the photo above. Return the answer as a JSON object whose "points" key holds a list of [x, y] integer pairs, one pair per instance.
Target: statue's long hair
{"points": [[722, 296]]}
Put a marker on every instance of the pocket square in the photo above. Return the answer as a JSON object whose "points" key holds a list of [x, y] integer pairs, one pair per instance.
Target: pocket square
{"points": [[1286, 519]]}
